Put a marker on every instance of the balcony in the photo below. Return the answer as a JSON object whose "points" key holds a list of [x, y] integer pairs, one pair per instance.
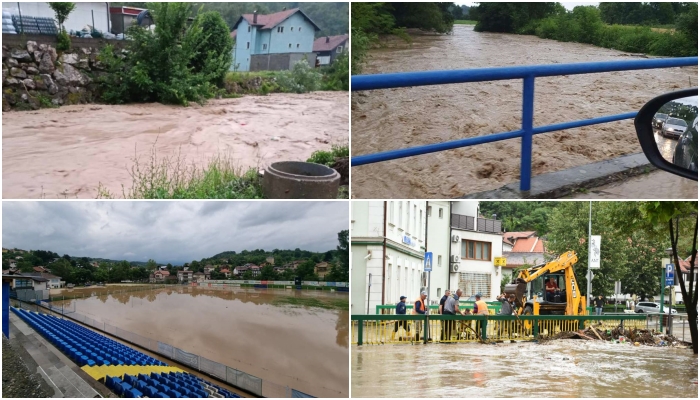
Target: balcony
{"points": [[468, 223]]}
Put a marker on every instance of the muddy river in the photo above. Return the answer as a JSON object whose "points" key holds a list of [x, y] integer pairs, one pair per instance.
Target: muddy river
{"points": [[398, 118], [558, 369], [300, 347], [69, 151]]}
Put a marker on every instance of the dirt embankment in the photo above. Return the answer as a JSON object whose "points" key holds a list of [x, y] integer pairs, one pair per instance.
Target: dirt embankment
{"points": [[67, 152], [406, 117]]}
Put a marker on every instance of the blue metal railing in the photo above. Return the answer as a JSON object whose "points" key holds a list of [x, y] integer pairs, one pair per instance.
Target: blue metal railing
{"points": [[527, 74]]}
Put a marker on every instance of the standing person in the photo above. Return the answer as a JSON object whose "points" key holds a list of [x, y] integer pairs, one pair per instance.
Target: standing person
{"points": [[401, 310], [440, 311], [599, 305], [506, 309], [451, 308], [480, 308], [419, 309]]}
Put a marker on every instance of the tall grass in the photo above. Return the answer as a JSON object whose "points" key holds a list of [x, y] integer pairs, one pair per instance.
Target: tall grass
{"points": [[174, 178]]}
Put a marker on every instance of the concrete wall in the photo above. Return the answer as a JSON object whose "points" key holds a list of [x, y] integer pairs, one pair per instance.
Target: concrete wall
{"points": [[278, 62], [81, 16]]}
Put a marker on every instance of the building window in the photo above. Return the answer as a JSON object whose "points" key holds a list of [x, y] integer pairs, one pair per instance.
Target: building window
{"points": [[439, 261], [23, 283], [415, 215], [300, 29], [247, 45], [264, 46], [280, 29], [291, 29], [420, 232], [430, 208], [408, 216], [473, 283], [339, 49], [472, 250], [290, 45], [297, 45], [400, 215], [249, 29], [390, 217], [440, 212]]}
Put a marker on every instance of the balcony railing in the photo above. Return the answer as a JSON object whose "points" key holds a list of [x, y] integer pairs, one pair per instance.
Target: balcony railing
{"points": [[466, 222]]}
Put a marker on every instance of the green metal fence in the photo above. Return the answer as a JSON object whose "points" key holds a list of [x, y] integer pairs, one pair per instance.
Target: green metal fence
{"points": [[396, 329]]}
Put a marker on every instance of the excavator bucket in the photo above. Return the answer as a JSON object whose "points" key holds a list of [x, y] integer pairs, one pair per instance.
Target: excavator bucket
{"points": [[518, 289]]}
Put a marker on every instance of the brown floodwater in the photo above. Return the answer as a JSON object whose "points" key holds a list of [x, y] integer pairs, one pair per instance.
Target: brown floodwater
{"points": [[303, 348], [404, 117], [556, 369]]}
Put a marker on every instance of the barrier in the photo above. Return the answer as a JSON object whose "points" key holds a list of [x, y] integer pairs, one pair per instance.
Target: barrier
{"points": [[527, 74], [493, 306], [395, 329]]}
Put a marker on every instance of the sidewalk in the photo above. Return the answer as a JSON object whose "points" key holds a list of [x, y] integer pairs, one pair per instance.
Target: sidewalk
{"points": [[62, 375], [654, 185]]}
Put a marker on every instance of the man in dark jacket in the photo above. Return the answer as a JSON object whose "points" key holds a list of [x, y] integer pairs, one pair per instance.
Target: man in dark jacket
{"points": [[441, 311], [401, 310]]}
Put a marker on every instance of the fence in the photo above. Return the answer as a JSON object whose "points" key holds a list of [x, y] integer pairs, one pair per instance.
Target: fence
{"points": [[528, 75], [311, 285], [384, 329], [493, 306], [224, 373]]}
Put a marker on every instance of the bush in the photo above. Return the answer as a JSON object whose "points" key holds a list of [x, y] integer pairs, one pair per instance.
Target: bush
{"points": [[360, 43], [301, 79], [159, 65], [63, 41], [336, 76], [216, 46], [328, 157]]}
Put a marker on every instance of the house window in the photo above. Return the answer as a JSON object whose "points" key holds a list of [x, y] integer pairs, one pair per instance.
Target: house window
{"points": [[291, 29], [23, 283], [472, 250], [440, 212], [280, 29], [339, 49], [300, 29], [408, 216], [473, 283], [264, 46], [290, 45], [249, 29], [430, 208], [247, 45], [439, 261], [415, 215], [391, 212], [297, 45], [400, 215]]}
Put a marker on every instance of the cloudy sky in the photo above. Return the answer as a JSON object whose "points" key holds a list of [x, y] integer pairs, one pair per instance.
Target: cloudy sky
{"points": [[568, 4], [170, 232]]}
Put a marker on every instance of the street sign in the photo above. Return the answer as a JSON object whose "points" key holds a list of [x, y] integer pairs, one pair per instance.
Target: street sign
{"points": [[428, 262], [670, 279], [499, 261], [594, 249]]}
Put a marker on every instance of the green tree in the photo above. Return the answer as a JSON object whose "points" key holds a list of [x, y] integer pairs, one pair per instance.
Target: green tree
{"points": [[268, 273], [64, 269], [217, 45], [248, 275], [152, 265], [62, 11]]}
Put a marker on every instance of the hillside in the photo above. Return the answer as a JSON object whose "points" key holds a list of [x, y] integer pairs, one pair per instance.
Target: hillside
{"points": [[332, 18]]}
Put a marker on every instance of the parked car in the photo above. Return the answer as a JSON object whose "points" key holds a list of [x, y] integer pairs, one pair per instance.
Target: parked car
{"points": [[648, 307], [674, 127], [659, 119], [686, 153]]}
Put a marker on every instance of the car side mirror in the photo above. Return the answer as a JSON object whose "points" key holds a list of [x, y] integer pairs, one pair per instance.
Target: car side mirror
{"points": [[667, 128]]}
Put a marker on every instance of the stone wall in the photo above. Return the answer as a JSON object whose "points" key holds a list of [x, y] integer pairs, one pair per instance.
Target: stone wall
{"points": [[36, 75]]}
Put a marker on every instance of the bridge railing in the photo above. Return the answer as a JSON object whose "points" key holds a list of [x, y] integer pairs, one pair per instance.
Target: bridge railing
{"points": [[395, 329], [528, 74]]}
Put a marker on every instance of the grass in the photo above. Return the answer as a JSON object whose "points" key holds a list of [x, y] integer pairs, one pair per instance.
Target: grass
{"points": [[174, 178], [326, 303], [465, 22], [328, 157]]}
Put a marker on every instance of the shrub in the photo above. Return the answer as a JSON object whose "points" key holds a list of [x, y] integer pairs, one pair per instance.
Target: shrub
{"points": [[158, 65], [328, 157], [360, 43], [336, 76], [63, 41], [216, 46], [301, 79]]}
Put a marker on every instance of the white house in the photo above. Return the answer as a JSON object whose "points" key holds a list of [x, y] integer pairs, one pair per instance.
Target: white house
{"points": [[388, 247], [81, 16], [475, 242]]}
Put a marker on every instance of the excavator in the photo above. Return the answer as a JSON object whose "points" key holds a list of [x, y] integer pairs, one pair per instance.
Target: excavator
{"points": [[531, 297]]}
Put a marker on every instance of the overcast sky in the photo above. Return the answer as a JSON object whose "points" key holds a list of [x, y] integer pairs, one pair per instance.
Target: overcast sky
{"points": [[170, 232], [568, 4]]}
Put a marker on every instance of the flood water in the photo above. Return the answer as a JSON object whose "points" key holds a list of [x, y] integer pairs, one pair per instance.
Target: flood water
{"points": [[300, 347], [405, 117], [557, 369]]}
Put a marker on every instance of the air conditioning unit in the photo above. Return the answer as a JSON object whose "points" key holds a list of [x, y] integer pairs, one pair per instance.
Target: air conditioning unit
{"points": [[454, 267], [455, 238], [454, 258]]}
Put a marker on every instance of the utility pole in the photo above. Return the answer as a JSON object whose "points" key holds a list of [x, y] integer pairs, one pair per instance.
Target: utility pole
{"points": [[589, 285]]}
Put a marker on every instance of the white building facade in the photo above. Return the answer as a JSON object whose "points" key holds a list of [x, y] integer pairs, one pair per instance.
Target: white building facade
{"points": [[438, 243], [388, 247], [474, 244]]}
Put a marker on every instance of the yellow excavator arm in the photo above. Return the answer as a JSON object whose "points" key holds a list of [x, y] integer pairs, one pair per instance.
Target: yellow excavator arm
{"points": [[565, 262]]}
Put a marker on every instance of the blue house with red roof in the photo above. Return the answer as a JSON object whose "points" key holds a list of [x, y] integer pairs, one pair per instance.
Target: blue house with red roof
{"points": [[273, 42]]}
